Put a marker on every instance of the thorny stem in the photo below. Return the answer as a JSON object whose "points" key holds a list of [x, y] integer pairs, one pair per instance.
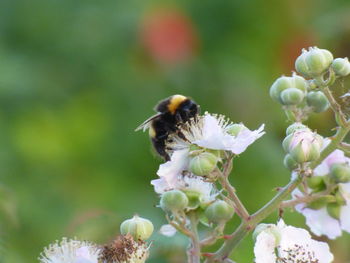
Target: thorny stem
{"points": [[339, 115], [223, 179], [179, 227], [194, 251], [213, 237], [345, 147], [304, 199]]}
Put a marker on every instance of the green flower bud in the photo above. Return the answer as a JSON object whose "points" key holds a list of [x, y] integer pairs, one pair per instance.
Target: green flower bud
{"points": [[340, 172], [270, 229], [235, 129], [194, 199], [321, 202], [173, 201], [334, 210], [296, 126], [284, 83], [289, 163], [219, 212], [317, 100], [305, 152], [341, 66], [340, 200], [203, 163], [292, 96], [316, 183], [137, 227], [286, 142], [313, 62]]}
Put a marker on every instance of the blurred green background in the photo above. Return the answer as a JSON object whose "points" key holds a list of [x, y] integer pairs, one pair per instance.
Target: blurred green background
{"points": [[76, 78]]}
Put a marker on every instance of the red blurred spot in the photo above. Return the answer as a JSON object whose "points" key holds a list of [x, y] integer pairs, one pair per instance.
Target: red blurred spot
{"points": [[292, 49], [168, 36]]}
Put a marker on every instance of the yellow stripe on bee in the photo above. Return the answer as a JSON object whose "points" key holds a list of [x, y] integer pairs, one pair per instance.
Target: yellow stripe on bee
{"points": [[151, 132], [174, 103]]}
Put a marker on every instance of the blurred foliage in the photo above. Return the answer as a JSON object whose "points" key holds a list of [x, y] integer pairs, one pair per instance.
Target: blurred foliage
{"points": [[76, 78]]}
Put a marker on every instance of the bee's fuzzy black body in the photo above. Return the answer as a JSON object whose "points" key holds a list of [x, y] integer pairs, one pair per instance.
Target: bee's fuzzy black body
{"points": [[171, 112]]}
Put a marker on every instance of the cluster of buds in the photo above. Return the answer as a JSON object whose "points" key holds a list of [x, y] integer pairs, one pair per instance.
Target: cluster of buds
{"points": [[302, 95], [301, 145], [178, 203], [336, 174]]}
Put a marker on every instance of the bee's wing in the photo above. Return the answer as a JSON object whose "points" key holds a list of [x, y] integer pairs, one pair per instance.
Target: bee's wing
{"points": [[146, 123]]}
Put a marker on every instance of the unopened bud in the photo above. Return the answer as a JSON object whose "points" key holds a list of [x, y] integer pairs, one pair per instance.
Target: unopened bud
{"points": [[173, 201], [296, 126], [137, 227], [289, 163], [194, 199], [340, 172], [270, 229], [341, 66], [292, 96], [219, 212], [203, 163], [286, 142], [317, 100], [305, 152], [334, 210], [339, 197], [303, 145], [313, 62], [235, 129], [284, 83], [316, 183], [321, 202]]}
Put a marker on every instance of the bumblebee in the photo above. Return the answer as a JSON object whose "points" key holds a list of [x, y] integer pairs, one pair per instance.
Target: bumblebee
{"points": [[171, 112]]}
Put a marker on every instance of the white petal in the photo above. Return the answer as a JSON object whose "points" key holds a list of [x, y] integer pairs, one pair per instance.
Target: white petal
{"points": [[213, 135], [171, 170], [160, 185], [321, 250], [264, 249], [321, 223], [345, 218], [245, 138], [292, 236], [167, 230], [336, 156]]}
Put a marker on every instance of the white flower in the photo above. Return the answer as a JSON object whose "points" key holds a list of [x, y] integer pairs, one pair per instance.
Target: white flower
{"points": [[319, 221], [187, 183], [167, 230], [288, 244], [208, 131], [70, 251], [211, 132]]}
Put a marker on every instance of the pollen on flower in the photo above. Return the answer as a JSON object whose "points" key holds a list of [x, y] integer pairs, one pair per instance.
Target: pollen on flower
{"points": [[124, 249], [298, 254]]}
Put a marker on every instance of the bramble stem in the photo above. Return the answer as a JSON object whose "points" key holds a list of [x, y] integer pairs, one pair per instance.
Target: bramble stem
{"points": [[304, 199], [194, 251], [225, 183], [339, 115]]}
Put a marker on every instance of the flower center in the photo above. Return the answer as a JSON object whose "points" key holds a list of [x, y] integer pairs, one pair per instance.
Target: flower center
{"points": [[297, 254]]}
